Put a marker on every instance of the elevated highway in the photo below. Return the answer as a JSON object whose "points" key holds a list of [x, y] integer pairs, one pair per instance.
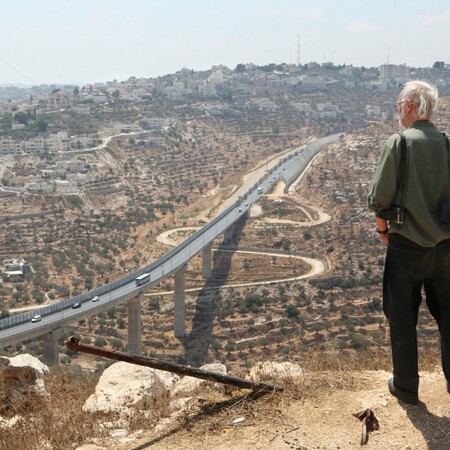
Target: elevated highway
{"points": [[55, 317]]}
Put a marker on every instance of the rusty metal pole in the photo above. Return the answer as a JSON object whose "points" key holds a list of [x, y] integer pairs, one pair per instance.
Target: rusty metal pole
{"points": [[75, 345]]}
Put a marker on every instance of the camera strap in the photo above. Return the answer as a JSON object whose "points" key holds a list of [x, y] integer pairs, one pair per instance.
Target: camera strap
{"points": [[448, 149], [401, 172]]}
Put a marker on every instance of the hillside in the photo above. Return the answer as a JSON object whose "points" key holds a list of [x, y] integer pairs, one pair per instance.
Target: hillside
{"points": [[250, 310]]}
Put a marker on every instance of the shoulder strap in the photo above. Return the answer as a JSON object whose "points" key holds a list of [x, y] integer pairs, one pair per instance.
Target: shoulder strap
{"points": [[401, 171], [448, 149]]}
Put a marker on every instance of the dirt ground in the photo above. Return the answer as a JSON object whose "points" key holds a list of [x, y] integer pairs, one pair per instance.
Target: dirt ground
{"points": [[314, 412]]}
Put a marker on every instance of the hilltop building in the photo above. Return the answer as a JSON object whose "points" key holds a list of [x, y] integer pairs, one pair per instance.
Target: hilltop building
{"points": [[394, 74]]}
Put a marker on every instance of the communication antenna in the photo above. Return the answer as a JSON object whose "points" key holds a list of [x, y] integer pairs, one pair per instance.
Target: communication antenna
{"points": [[298, 49], [389, 49]]}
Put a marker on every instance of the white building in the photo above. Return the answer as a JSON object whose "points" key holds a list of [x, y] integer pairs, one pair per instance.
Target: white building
{"points": [[327, 110], [65, 187], [34, 146], [392, 73], [58, 142], [207, 89], [42, 187], [176, 91], [9, 146], [373, 111], [15, 269], [265, 104], [313, 82], [302, 107], [216, 78], [119, 128], [13, 264], [159, 122]]}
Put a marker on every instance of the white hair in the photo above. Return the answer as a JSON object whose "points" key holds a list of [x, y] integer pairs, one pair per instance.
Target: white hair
{"points": [[423, 95]]}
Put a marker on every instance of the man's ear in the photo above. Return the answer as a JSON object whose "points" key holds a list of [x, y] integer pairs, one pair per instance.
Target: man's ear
{"points": [[409, 105]]}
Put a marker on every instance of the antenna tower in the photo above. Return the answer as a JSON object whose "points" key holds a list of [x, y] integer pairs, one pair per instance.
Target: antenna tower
{"points": [[298, 50]]}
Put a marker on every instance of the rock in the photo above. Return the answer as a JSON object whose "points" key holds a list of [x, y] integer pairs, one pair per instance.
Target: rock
{"points": [[90, 447], [179, 404], [123, 386], [9, 423], [239, 420], [119, 433], [188, 385], [22, 380], [270, 371]]}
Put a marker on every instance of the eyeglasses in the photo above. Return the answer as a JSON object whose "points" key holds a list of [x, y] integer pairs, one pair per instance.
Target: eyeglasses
{"points": [[399, 103]]}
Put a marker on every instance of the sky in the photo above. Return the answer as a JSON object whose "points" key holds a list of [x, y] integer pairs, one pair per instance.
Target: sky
{"points": [[88, 41]]}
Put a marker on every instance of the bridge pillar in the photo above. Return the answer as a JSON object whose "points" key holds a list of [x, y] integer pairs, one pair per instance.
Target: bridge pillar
{"points": [[228, 234], [51, 356], [135, 325], [206, 265], [180, 303]]}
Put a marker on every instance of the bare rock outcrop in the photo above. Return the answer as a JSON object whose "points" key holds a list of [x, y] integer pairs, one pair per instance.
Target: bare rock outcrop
{"points": [[186, 386], [271, 370], [22, 382], [127, 386]]}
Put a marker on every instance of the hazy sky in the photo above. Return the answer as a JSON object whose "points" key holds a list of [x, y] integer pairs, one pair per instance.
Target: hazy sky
{"points": [[82, 41]]}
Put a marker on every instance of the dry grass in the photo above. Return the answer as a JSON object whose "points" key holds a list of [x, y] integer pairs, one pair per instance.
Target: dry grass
{"points": [[55, 425], [62, 424]]}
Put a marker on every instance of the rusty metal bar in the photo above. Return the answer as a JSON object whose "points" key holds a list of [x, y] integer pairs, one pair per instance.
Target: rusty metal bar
{"points": [[75, 345]]}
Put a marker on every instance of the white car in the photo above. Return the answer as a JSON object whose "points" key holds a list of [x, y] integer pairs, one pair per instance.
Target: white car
{"points": [[95, 299], [36, 318]]}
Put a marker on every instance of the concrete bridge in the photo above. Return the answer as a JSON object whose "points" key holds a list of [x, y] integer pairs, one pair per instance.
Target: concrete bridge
{"points": [[55, 317]]}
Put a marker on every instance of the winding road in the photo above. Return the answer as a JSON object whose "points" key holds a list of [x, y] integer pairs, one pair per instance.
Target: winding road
{"points": [[317, 266]]}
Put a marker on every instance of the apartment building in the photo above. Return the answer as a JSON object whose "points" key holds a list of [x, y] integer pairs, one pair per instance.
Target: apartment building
{"points": [[35, 146], [159, 122], [58, 142], [120, 128], [9, 146], [392, 73]]}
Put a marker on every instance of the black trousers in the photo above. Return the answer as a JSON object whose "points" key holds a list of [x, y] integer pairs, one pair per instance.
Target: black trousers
{"points": [[408, 268]]}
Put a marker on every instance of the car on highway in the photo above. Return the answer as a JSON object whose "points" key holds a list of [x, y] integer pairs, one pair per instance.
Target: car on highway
{"points": [[76, 305], [95, 299], [36, 318]]}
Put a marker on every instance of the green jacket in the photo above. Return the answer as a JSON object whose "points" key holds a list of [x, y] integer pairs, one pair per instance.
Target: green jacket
{"points": [[427, 183]]}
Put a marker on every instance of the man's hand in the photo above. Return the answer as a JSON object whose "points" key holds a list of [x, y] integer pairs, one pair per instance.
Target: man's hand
{"points": [[382, 230], [384, 238]]}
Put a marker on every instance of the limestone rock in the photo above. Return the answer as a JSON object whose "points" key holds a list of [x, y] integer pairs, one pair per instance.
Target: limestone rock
{"points": [[91, 447], [272, 371], [123, 386], [4, 423], [22, 380], [188, 385]]}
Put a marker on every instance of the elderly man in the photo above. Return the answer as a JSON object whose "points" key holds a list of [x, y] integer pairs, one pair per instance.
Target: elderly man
{"points": [[407, 199]]}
